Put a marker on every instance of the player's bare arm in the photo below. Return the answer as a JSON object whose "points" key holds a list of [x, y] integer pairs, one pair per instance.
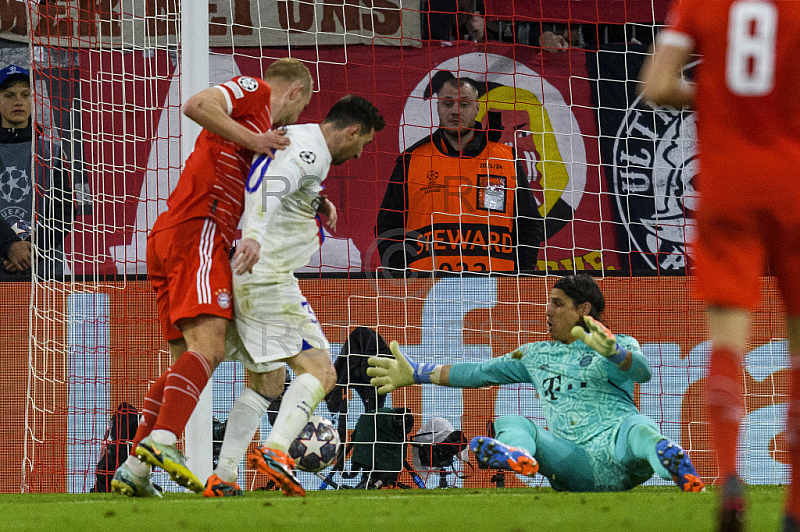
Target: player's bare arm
{"points": [[246, 256], [663, 82], [328, 210], [209, 109]]}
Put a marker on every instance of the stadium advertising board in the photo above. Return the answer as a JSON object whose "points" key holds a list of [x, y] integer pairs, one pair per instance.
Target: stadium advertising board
{"points": [[112, 349]]}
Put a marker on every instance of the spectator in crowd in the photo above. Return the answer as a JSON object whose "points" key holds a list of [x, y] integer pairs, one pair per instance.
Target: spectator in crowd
{"points": [[52, 209], [555, 36], [450, 20], [457, 201], [561, 37]]}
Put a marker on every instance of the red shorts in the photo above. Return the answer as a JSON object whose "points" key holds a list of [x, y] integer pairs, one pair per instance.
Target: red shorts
{"points": [[731, 251], [190, 271]]}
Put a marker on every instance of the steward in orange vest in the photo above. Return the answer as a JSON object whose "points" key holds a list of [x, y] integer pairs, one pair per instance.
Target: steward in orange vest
{"points": [[449, 211]]}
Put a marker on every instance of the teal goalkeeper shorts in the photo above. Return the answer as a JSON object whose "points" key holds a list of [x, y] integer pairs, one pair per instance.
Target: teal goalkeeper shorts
{"points": [[603, 463]]}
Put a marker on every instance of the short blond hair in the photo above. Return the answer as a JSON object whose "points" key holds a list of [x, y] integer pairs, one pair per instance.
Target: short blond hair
{"points": [[290, 70]]}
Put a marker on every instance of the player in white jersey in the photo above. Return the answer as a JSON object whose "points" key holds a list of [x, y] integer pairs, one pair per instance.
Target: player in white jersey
{"points": [[274, 324]]}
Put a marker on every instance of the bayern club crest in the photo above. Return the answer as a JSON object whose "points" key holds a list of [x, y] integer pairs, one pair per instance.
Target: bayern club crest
{"points": [[655, 163], [223, 299]]}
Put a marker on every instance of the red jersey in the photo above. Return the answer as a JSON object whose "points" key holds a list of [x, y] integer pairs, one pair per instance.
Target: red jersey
{"points": [[212, 182], [748, 117]]}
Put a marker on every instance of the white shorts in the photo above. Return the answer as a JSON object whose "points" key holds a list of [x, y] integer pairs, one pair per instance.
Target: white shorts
{"points": [[272, 322]]}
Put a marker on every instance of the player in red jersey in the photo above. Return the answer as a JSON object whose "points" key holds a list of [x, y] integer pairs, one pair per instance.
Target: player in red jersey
{"points": [[748, 129], [188, 255]]}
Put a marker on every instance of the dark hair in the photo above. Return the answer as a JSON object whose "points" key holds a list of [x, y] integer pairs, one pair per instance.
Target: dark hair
{"points": [[457, 83], [15, 79], [352, 110], [582, 288]]}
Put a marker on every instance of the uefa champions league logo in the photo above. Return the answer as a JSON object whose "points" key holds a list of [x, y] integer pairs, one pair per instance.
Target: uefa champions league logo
{"points": [[15, 201], [655, 161], [15, 185]]}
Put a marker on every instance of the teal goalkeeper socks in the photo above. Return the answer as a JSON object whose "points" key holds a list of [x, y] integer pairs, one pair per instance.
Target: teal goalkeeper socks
{"points": [[511, 432], [642, 440]]}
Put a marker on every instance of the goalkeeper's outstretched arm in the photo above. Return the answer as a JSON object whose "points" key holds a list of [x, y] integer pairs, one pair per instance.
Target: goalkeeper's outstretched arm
{"points": [[389, 374]]}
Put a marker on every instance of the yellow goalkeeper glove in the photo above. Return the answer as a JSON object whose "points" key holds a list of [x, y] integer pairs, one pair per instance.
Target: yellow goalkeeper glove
{"points": [[600, 339], [390, 374]]}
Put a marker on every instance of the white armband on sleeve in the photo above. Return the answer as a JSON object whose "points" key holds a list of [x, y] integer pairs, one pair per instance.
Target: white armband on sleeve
{"points": [[675, 38], [228, 102]]}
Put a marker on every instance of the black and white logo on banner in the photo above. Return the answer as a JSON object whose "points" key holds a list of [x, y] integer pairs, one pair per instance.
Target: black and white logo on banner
{"points": [[655, 161]]}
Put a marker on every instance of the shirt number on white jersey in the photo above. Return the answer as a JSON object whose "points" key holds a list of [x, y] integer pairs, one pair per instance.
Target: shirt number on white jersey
{"points": [[311, 315], [258, 169], [750, 64]]}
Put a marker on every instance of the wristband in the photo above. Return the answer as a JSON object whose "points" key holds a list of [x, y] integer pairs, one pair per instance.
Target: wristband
{"points": [[422, 372], [620, 355]]}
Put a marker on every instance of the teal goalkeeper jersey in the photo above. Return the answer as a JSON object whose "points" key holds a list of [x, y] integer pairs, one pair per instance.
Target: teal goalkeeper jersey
{"points": [[582, 393]]}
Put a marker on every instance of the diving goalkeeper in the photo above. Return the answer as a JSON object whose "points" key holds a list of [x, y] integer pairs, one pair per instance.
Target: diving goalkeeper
{"points": [[596, 440]]}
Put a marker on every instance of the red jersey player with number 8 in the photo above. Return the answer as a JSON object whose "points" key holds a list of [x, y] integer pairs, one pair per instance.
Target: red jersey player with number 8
{"points": [[748, 131], [188, 255]]}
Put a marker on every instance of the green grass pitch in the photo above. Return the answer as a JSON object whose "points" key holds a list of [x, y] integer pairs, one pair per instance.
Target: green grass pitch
{"points": [[648, 509]]}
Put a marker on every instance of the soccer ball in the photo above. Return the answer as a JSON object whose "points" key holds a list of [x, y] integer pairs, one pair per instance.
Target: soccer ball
{"points": [[317, 445]]}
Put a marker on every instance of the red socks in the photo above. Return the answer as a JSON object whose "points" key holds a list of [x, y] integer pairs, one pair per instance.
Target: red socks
{"points": [[152, 404], [793, 437], [725, 401], [183, 384]]}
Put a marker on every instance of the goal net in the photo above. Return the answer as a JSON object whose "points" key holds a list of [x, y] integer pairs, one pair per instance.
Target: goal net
{"points": [[610, 176]]}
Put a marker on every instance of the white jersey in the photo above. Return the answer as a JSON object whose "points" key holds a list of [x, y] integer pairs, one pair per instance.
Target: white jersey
{"points": [[281, 199]]}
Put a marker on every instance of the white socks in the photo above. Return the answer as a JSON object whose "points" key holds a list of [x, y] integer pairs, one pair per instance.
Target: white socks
{"points": [[164, 437], [299, 402], [243, 421], [137, 467]]}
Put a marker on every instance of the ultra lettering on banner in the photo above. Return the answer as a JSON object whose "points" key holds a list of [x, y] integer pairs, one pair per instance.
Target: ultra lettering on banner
{"points": [[150, 23]]}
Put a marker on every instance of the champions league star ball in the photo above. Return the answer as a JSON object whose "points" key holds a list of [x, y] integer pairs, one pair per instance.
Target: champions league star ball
{"points": [[317, 445], [14, 185]]}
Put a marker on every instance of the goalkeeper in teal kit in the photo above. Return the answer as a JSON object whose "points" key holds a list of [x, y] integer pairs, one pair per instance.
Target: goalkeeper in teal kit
{"points": [[596, 440]]}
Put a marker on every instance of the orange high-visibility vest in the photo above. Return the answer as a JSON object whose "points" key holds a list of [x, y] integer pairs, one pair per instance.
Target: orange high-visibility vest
{"points": [[460, 214]]}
